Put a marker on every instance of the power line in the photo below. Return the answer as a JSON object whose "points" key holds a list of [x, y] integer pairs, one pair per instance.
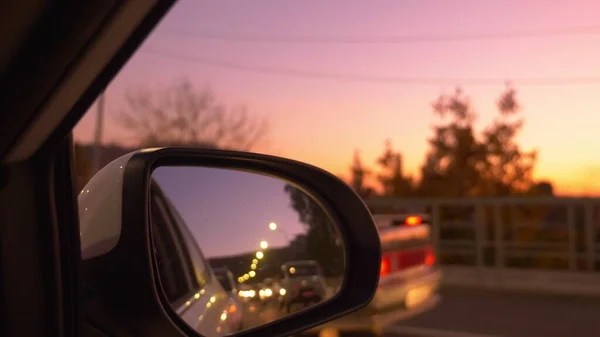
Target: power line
{"points": [[349, 77], [398, 39]]}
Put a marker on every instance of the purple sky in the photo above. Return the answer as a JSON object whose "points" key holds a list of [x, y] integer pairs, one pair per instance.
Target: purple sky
{"points": [[340, 116], [229, 211]]}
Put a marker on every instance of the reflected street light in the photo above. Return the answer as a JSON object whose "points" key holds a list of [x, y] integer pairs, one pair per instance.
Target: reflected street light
{"points": [[273, 227], [259, 255], [264, 244], [254, 261], [253, 266], [252, 273]]}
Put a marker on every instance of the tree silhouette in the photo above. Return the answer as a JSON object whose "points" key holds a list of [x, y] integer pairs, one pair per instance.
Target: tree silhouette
{"points": [[181, 115], [452, 165], [324, 243], [462, 163], [392, 179], [508, 169], [358, 176]]}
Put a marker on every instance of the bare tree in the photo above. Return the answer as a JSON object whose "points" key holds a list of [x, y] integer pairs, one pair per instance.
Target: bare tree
{"points": [[182, 115]]}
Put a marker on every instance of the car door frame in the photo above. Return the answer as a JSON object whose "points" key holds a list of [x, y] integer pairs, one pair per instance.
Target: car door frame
{"points": [[40, 252]]}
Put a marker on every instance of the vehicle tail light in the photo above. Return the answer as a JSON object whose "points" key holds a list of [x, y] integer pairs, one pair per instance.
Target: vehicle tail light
{"points": [[429, 256], [385, 266], [413, 220]]}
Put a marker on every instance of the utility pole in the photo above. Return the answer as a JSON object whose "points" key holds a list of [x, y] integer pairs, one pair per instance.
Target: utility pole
{"points": [[98, 134]]}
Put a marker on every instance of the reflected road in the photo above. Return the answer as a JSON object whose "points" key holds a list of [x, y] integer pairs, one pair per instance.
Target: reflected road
{"points": [[255, 314]]}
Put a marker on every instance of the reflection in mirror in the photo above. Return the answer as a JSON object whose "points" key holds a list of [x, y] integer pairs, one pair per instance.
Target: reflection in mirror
{"points": [[236, 250]]}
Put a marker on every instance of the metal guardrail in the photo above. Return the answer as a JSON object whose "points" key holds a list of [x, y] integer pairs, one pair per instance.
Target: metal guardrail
{"points": [[543, 237]]}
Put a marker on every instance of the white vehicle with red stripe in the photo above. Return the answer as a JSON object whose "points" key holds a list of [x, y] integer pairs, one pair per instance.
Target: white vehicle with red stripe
{"points": [[409, 276]]}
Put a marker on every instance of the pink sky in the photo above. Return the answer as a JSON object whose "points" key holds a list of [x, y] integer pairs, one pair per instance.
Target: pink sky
{"points": [[322, 121]]}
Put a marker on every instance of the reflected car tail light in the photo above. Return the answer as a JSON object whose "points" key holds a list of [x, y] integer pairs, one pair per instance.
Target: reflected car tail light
{"points": [[232, 308], [385, 266], [429, 257]]}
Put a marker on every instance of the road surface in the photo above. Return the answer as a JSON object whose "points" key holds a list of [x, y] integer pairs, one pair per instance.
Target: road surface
{"points": [[470, 313]]}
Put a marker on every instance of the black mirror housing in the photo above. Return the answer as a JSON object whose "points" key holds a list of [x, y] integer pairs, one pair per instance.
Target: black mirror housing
{"points": [[121, 273]]}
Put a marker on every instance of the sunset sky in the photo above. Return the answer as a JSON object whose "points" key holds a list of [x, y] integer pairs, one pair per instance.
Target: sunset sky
{"points": [[322, 121]]}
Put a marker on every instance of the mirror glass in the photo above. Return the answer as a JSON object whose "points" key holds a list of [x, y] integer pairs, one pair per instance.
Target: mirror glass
{"points": [[237, 249]]}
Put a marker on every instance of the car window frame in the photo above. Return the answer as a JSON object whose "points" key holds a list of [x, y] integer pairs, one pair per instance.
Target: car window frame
{"points": [[181, 253], [232, 281], [227, 280], [199, 267], [203, 273]]}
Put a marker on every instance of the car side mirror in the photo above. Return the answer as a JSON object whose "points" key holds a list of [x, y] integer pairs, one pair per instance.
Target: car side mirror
{"points": [[130, 258]]}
